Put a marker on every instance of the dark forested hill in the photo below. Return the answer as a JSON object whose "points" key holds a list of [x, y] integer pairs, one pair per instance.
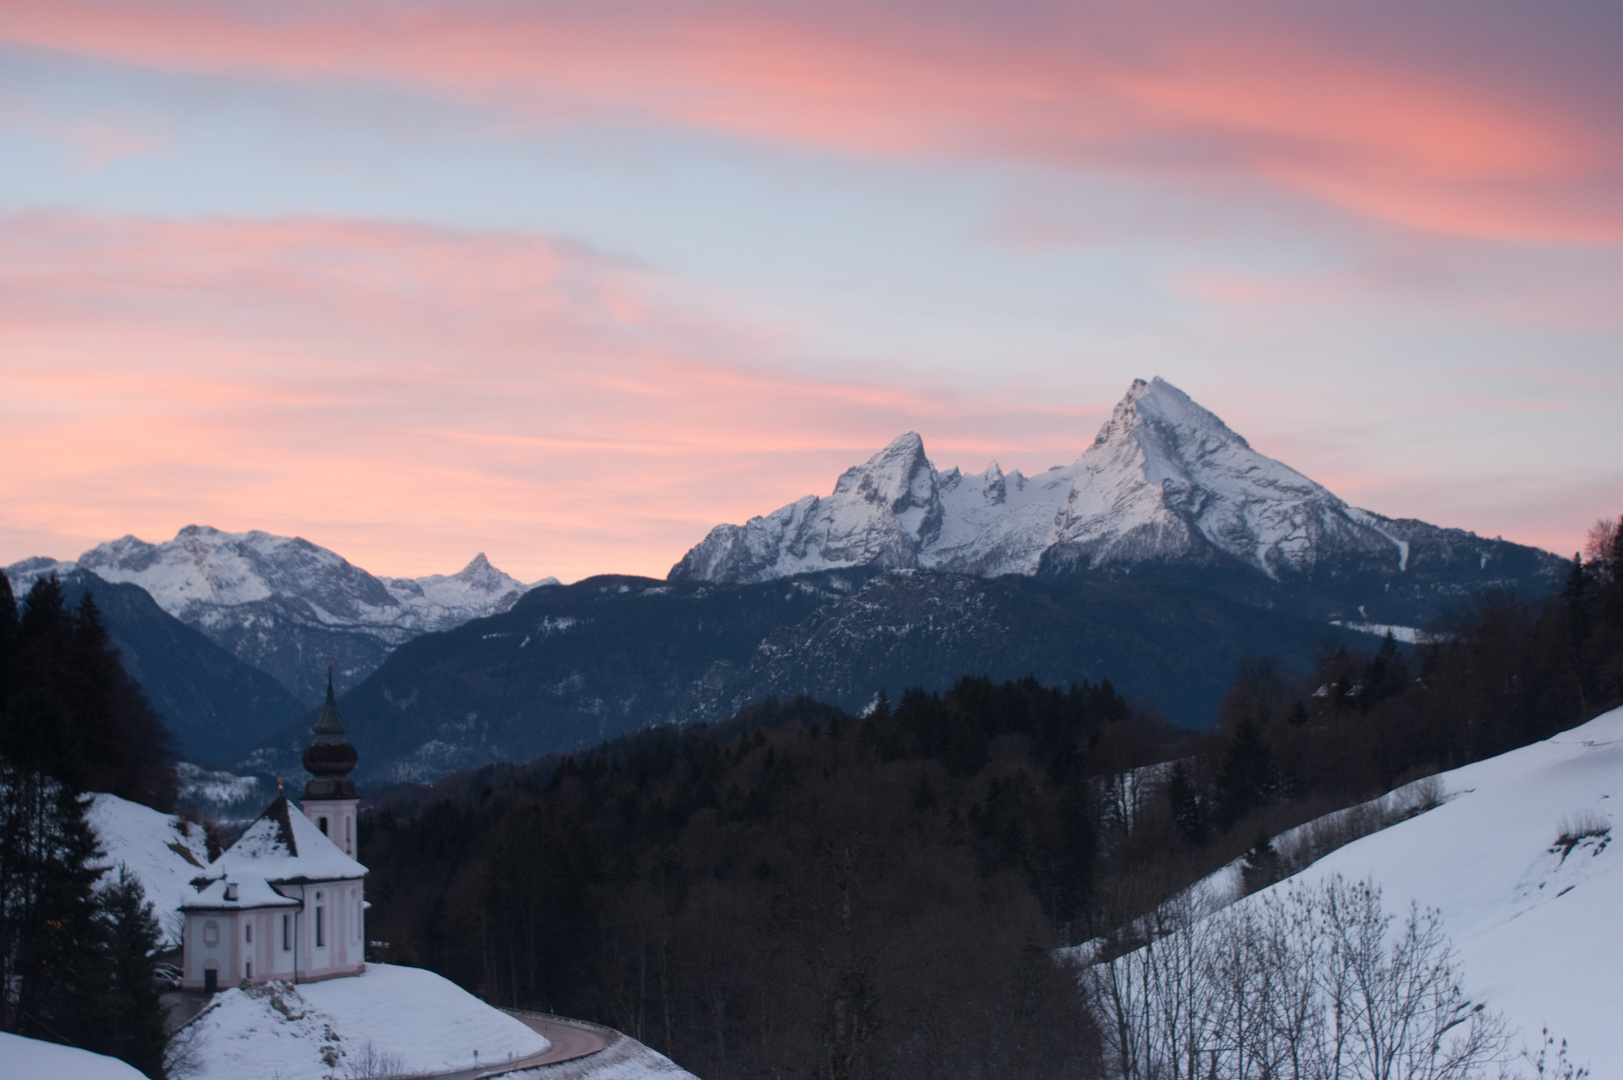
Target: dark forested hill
{"points": [[214, 705], [570, 666]]}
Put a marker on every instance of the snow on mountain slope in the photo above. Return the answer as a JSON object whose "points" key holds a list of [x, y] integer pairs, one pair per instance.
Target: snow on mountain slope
{"points": [[161, 851], [1538, 924], [281, 603], [203, 572], [1165, 480], [25, 1059], [389, 1020]]}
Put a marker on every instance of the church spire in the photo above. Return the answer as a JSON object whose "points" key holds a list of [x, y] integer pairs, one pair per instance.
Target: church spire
{"points": [[329, 757], [329, 723]]}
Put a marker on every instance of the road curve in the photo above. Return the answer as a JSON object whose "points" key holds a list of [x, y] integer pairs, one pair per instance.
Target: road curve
{"points": [[571, 1039]]}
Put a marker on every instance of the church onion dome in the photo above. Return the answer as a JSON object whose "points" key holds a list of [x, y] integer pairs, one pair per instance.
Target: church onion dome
{"points": [[329, 757]]}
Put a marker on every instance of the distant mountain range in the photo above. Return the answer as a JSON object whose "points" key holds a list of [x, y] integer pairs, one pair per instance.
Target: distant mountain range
{"points": [[281, 604], [1169, 551], [1164, 554]]}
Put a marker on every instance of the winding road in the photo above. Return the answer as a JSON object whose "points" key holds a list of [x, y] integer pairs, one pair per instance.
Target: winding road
{"points": [[571, 1039]]}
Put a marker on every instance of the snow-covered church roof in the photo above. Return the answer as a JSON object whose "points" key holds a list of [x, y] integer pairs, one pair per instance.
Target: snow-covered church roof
{"points": [[283, 846]]}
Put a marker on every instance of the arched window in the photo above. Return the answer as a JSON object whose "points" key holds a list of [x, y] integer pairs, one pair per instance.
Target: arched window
{"points": [[321, 823], [248, 932]]}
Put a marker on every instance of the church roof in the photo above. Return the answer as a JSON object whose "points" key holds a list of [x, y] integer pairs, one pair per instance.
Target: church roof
{"points": [[284, 846], [252, 892]]}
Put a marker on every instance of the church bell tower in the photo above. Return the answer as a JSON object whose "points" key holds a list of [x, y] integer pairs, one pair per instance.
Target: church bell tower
{"points": [[329, 798]]}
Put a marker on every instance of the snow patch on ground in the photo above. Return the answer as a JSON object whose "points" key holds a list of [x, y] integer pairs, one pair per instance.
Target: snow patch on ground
{"points": [[27, 1059], [161, 851], [1409, 635], [405, 1019]]}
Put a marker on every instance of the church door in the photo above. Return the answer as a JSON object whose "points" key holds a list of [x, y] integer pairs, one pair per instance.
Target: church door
{"points": [[211, 980]]}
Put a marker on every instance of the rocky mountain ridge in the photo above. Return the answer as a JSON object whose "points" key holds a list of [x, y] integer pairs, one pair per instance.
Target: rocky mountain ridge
{"points": [[1165, 481], [280, 603]]}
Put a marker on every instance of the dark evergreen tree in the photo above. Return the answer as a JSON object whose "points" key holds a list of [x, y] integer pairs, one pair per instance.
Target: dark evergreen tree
{"points": [[129, 1013], [1186, 808], [1387, 675], [1249, 778], [1262, 866], [8, 634], [73, 713], [50, 933]]}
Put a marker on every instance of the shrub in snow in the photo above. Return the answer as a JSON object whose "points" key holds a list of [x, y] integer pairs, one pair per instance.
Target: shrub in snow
{"points": [[1577, 827]]}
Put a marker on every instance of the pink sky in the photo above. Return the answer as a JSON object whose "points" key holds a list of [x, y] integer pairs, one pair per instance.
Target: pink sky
{"points": [[570, 284]]}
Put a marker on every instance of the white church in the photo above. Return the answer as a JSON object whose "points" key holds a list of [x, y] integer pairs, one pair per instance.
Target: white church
{"points": [[286, 901]]}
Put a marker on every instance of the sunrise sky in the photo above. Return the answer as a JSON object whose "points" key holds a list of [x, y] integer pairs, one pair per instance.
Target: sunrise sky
{"points": [[569, 283]]}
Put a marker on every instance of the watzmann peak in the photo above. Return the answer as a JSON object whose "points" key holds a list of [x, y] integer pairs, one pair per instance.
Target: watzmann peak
{"points": [[1163, 481]]}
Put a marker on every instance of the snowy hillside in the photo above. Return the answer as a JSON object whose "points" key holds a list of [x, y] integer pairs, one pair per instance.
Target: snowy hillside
{"points": [[388, 1021], [1536, 920], [281, 603], [22, 1058], [1164, 481], [161, 851]]}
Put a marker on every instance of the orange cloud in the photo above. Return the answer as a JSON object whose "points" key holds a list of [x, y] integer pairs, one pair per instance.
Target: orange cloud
{"points": [[408, 396], [1284, 95]]}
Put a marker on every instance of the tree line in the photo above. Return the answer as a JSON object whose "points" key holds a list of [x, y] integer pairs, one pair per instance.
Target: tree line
{"points": [[802, 891], [78, 946]]}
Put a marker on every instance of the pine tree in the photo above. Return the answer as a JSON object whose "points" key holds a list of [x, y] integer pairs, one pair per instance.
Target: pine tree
{"points": [[129, 1013], [8, 635], [49, 930], [1186, 810], [1249, 778], [73, 713], [1385, 676], [1262, 864]]}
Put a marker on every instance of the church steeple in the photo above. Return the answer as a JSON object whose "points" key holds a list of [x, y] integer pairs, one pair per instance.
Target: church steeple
{"points": [[329, 757]]}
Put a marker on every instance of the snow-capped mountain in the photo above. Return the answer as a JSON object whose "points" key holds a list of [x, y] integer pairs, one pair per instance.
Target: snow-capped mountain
{"points": [[1165, 481], [281, 603]]}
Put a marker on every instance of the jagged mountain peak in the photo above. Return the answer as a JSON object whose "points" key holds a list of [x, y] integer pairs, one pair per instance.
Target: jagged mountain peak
{"points": [[1164, 481], [899, 477]]}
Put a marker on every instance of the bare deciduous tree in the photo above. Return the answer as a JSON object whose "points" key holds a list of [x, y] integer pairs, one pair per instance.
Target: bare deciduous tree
{"points": [[1305, 984]]}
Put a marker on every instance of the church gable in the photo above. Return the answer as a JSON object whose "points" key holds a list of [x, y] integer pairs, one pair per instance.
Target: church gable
{"points": [[283, 845]]}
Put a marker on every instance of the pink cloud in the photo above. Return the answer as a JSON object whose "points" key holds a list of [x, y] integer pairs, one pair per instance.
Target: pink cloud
{"points": [[1303, 99], [409, 396]]}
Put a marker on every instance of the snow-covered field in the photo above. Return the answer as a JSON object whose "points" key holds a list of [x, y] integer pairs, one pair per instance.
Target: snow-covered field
{"points": [[31, 1059], [389, 1020], [1538, 925], [161, 851]]}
